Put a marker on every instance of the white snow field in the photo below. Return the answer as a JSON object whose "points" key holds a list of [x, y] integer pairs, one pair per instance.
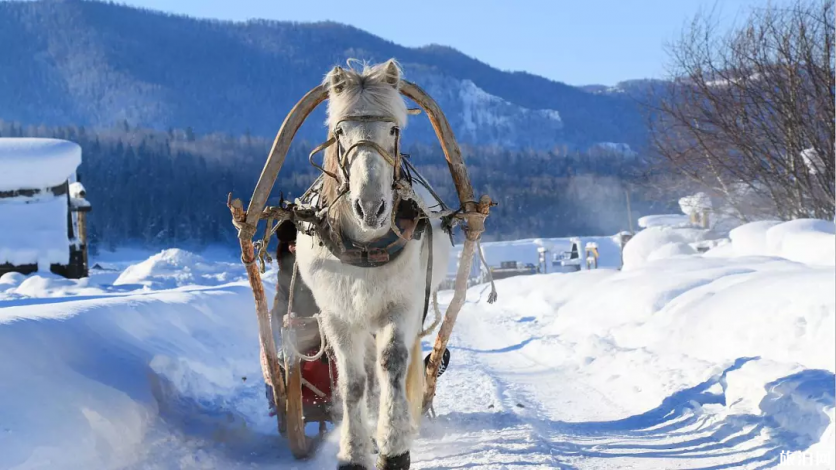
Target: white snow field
{"points": [[686, 360]]}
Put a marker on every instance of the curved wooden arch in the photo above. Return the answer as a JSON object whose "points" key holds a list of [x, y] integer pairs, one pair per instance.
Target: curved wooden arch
{"points": [[314, 98]]}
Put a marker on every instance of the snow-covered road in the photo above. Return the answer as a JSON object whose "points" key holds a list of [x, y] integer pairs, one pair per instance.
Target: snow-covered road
{"points": [[694, 362]]}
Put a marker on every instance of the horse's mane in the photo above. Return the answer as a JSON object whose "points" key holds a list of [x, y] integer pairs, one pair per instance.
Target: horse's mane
{"points": [[369, 90]]}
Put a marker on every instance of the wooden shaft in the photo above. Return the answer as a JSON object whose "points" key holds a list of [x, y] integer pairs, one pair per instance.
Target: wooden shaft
{"points": [[278, 152], [444, 132], [473, 231], [299, 445], [269, 359], [446, 329], [312, 99]]}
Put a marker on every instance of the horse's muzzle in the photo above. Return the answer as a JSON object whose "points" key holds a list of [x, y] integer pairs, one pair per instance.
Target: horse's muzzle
{"points": [[372, 213]]}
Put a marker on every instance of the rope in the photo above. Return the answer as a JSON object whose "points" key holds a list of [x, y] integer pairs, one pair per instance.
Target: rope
{"points": [[262, 253], [393, 224], [288, 341], [493, 295], [245, 230]]}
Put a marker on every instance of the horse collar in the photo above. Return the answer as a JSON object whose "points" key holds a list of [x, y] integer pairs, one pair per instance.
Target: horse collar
{"points": [[382, 250]]}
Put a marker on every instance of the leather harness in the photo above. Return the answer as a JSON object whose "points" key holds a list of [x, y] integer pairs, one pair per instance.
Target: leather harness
{"points": [[408, 218]]}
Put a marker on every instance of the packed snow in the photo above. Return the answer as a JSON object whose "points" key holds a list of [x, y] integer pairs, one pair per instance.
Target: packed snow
{"points": [[34, 230], [30, 163], [658, 243], [680, 360]]}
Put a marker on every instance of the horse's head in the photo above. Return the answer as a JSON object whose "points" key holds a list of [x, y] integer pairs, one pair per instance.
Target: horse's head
{"points": [[365, 116]]}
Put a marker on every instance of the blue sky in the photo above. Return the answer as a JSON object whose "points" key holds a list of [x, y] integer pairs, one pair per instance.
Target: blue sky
{"points": [[574, 41]]}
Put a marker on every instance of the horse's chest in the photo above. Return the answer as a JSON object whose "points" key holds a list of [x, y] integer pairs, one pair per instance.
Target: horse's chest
{"points": [[350, 291]]}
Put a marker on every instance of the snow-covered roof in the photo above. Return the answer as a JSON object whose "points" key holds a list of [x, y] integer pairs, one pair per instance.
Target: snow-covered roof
{"points": [[30, 163], [664, 220]]}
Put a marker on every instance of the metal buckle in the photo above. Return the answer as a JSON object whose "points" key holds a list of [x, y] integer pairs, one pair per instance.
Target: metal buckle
{"points": [[378, 255]]}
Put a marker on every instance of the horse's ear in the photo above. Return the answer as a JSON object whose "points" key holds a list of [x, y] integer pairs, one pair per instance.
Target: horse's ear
{"points": [[392, 73], [336, 80]]}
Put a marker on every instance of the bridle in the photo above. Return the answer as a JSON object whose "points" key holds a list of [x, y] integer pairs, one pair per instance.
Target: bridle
{"points": [[344, 154]]}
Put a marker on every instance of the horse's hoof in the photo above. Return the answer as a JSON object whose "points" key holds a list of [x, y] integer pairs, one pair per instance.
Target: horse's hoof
{"points": [[351, 466], [397, 462]]}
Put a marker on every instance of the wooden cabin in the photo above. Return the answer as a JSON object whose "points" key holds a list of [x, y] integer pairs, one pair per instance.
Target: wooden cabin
{"points": [[43, 208]]}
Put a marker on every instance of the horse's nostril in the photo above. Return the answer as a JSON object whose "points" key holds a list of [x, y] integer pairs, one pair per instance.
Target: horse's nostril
{"points": [[381, 209], [358, 208]]}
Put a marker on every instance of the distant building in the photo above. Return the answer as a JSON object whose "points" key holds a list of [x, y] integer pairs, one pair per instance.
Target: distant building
{"points": [[43, 208]]}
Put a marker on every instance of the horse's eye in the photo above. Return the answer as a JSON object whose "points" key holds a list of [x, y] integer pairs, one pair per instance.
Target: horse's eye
{"points": [[393, 130], [338, 132]]}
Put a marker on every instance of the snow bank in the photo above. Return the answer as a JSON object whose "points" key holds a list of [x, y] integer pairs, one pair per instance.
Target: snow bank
{"points": [[30, 163], [659, 243], [34, 230], [808, 241], [671, 250], [750, 239], [106, 383], [174, 268]]}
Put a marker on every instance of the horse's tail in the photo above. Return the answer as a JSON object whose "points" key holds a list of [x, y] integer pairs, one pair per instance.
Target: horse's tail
{"points": [[415, 382]]}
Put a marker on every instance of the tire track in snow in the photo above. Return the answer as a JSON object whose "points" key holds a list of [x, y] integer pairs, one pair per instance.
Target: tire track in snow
{"points": [[517, 430]]}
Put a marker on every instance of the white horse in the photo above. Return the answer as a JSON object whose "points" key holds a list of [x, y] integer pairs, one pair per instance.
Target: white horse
{"points": [[365, 115]]}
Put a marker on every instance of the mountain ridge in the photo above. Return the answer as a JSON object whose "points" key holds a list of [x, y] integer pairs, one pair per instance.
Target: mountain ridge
{"points": [[95, 63]]}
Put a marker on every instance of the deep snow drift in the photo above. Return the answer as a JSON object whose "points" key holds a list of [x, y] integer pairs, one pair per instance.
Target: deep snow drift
{"points": [[686, 360]]}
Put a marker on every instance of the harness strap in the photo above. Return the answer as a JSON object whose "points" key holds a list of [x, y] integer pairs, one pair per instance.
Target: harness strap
{"points": [[394, 161], [318, 149], [429, 277]]}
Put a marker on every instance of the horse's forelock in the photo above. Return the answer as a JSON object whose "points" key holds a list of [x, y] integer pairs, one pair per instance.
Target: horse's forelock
{"points": [[367, 91]]}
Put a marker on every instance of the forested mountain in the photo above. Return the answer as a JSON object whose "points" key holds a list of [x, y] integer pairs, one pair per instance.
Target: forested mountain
{"points": [[158, 188], [88, 63], [173, 112]]}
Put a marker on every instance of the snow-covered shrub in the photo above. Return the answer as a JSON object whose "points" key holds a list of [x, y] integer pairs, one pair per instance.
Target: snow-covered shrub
{"points": [[695, 204]]}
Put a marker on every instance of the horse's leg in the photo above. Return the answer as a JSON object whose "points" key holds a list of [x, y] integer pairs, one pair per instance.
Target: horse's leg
{"points": [[395, 426], [372, 388], [349, 346]]}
